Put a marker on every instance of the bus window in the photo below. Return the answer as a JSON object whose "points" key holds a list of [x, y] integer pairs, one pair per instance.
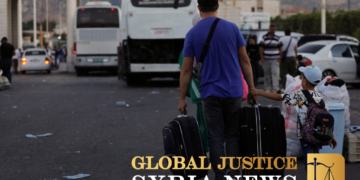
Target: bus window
{"points": [[159, 3], [97, 18]]}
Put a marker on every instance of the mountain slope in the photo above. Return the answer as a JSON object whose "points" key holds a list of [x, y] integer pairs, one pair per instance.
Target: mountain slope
{"points": [[331, 4]]}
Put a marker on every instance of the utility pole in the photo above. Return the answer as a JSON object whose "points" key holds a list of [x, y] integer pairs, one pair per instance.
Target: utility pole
{"points": [[40, 19], [35, 33], [60, 14], [47, 21], [323, 17], [50, 19], [348, 5]]}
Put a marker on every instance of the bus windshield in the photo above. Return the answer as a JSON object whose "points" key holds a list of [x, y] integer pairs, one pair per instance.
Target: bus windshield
{"points": [[159, 3], [97, 18]]}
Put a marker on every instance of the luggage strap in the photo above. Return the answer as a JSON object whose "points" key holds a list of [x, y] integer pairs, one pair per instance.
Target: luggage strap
{"points": [[310, 99], [206, 47]]}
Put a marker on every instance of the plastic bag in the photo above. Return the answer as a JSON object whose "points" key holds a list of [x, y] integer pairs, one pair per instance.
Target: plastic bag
{"points": [[335, 90], [290, 115], [4, 82]]}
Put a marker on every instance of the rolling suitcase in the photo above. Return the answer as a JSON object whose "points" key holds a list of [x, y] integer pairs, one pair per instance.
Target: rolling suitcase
{"points": [[262, 134], [182, 137]]}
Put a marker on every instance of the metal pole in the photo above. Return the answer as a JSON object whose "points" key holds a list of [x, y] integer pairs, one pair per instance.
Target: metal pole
{"points": [[47, 21], [323, 17], [41, 27], [34, 23], [60, 14]]}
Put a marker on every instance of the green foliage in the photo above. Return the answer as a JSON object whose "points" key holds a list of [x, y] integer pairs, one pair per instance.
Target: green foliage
{"points": [[29, 25], [338, 23]]}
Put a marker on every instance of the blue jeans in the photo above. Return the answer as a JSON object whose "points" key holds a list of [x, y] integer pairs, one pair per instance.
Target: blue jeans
{"points": [[307, 148], [55, 64], [61, 58], [222, 116]]}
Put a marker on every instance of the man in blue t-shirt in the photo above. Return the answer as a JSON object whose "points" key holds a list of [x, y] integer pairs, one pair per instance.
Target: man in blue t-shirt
{"points": [[221, 82]]}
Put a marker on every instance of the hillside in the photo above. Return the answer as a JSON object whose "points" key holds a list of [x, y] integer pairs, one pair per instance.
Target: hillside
{"points": [[331, 4]]}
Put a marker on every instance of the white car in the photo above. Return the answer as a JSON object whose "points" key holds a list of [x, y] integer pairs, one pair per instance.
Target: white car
{"points": [[334, 58], [35, 60]]}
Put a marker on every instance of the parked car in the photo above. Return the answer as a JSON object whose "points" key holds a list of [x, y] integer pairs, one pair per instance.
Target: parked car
{"points": [[318, 37], [35, 60], [334, 58]]}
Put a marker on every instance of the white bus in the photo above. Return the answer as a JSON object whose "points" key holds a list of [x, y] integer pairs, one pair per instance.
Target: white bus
{"points": [[97, 36], [152, 35]]}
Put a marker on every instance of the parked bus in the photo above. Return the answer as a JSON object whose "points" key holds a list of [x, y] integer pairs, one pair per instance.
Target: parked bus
{"points": [[97, 36], [152, 35]]}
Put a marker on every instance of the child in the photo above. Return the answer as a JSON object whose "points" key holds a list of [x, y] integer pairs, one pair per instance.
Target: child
{"points": [[299, 64], [310, 77]]}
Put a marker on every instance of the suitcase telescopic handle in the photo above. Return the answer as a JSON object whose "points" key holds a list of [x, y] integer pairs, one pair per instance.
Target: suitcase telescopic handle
{"points": [[255, 104]]}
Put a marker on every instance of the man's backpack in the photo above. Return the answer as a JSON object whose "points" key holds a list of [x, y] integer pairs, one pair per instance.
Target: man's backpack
{"points": [[319, 124]]}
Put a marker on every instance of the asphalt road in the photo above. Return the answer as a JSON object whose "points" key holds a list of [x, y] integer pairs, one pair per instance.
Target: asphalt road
{"points": [[91, 134]]}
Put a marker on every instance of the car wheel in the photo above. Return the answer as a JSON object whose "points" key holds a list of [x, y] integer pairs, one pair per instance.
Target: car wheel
{"points": [[23, 72], [328, 73], [48, 71]]}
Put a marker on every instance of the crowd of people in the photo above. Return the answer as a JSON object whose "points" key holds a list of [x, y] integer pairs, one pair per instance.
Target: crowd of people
{"points": [[218, 93]]}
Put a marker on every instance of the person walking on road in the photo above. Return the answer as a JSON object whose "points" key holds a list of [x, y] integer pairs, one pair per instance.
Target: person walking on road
{"points": [[221, 81], [7, 52], [253, 52], [195, 96], [288, 63], [56, 58], [15, 59], [61, 55], [270, 53]]}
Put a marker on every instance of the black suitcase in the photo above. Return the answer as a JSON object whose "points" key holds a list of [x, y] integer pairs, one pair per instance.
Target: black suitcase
{"points": [[262, 134], [182, 137]]}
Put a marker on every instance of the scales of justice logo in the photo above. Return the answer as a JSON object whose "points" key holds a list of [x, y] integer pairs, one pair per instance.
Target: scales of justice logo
{"points": [[329, 175], [325, 166]]}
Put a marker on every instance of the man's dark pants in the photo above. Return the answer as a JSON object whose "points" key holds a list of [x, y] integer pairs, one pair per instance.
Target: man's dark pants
{"points": [[6, 68], [222, 116], [16, 64], [255, 68], [287, 66]]}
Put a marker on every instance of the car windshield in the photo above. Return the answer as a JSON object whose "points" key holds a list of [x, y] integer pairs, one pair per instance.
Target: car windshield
{"points": [[310, 48], [35, 53], [306, 39]]}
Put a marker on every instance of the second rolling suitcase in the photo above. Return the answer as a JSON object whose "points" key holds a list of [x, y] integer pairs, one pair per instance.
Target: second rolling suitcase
{"points": [[182, 137], [262, 134]]}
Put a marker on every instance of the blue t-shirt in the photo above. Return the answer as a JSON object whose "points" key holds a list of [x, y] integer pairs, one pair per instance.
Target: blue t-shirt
{"points": [[220, 75]]}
